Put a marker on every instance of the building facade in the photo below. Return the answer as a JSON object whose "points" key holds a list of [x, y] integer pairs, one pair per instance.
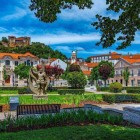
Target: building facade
{"points": [[111, 57], [133, 64], [10, 61], [19, 42]]}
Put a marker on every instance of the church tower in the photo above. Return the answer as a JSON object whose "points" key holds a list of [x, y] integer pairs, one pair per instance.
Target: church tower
{"points": [[73, 57]]}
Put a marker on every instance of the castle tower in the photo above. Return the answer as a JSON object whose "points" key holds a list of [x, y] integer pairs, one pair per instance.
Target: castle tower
{"points": [[11, 40]]}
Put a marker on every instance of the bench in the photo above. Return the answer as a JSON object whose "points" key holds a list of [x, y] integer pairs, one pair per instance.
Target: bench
{"points": [[0, 108], [37, 109]]}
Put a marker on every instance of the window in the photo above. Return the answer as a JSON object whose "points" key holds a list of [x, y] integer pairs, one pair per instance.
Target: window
{"points": [[7, 62], [138, 82], [138, 72], [32, 63], [28, 62], [25, 62], [16, 63]]}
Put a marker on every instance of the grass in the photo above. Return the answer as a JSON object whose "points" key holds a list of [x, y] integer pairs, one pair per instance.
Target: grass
{"points": [[8, 92], [57, 99], [92, 132]]}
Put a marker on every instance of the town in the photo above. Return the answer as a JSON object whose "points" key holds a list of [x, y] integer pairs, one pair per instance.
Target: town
{"points": [[69, 70]]}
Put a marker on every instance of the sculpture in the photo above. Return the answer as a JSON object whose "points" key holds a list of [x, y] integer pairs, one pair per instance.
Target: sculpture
{"points": [[40, 78]]}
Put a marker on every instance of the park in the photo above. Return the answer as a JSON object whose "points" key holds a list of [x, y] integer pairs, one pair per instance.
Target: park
{"points": [[70, 70]]}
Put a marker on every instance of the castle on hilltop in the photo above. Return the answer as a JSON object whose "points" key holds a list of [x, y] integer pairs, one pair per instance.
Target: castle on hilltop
{"points": [[20, 42]]}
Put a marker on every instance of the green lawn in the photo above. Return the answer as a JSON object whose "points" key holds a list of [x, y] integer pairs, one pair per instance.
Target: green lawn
{"points": [[57, 99], [8, 92], [93, 132]]}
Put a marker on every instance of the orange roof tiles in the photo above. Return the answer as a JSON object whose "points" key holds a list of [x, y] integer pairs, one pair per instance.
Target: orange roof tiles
{"points": [[131, 61], [86, 72], [91, 65], [115, 56], [16, 56]]}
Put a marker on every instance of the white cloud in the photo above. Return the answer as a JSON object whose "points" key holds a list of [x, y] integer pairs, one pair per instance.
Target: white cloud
{"points": [[3, 29], [66, 38], [18, 13]]}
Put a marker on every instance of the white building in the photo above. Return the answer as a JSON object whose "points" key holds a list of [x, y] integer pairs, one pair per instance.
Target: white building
{"points": [[10, 61], [111, 57], [59, 63]]}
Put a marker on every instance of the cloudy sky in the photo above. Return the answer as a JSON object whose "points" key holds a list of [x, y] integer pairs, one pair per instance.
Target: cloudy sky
{"points": [[71, 31]]}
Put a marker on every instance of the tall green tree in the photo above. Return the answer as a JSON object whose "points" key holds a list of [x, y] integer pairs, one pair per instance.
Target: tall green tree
{"points": [[88, 60], [76, 79], [123, 28], [94, 76], [126, 75], [4, 39], [22, 71], [106, 70]]}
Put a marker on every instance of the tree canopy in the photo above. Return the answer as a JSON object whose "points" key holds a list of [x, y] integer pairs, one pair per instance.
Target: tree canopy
{"points": [[121, 29], [38, 49]]}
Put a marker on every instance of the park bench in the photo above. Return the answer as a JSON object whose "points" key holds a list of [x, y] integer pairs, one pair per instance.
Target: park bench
{"points": [[23, 110], [0, 108]]}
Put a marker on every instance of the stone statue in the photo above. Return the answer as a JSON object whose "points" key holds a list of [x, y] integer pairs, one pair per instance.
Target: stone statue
{"points": [[40, 79]]}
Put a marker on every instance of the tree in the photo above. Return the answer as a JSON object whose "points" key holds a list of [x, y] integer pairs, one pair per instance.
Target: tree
{"points": [[124, 27], [73, 67], [88, 60], [5, 76], [4, 39], [22, 71], [106, 70], [94, 76], [126, 74], [77, 80]]}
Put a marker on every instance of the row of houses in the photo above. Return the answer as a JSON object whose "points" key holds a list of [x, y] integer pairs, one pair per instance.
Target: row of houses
{"points": [[120, 62]]}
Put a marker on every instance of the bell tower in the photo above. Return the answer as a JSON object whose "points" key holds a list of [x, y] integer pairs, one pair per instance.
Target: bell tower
{"points": [[73, 57]]}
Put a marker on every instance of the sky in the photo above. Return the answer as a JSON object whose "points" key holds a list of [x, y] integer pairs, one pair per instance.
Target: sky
{"points": [[71, 31]]}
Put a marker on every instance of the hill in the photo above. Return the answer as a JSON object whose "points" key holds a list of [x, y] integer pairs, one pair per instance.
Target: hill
{"points": [[38, 49]]}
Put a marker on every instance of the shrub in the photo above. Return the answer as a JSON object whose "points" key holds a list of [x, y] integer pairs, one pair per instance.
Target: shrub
{"points": [[137, 91], [71, 91], [58, 119], [115, 87], [119, 98], [24, 90]]}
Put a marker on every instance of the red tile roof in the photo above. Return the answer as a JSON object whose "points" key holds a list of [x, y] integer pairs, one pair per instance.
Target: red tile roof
{"points": [[16, 56], [91, 65], [86, 72]]}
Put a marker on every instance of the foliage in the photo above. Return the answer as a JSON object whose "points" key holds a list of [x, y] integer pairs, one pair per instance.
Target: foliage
{"points": [[77, 80], [122, 28], [58, 119], [4, 39], [88, 60], [126, 74], [38, 49], [5, 76], [103, 89], [94, 74], [22, 71], [54, 71], [115, 87], [73, 68], [71, 91], [136, 91], [120, 98], [106, 70]]}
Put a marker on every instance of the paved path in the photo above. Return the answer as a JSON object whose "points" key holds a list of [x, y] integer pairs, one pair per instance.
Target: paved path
{"points": [[3, 115]]}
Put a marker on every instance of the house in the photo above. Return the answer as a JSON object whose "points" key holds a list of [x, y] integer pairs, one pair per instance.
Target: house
{"points": [[19, 42], [59, 63], [10, 61], [132, 62], [111, 57]]}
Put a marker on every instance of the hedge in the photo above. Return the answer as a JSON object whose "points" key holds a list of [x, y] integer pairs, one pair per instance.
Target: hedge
{"points": [[119, 98], [71, 91], [136, 91], [24, 90], [103, 89]]}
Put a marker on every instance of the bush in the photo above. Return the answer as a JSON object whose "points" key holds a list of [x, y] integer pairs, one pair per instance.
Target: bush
{"points": [[115, 87], [24, 90], [71, 91], [119, 98], [137, 91], [58, 119]]}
